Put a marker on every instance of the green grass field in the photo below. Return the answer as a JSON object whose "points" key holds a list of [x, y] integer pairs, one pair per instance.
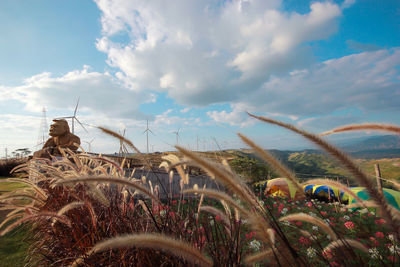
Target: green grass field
{"points": [[12, 246]]}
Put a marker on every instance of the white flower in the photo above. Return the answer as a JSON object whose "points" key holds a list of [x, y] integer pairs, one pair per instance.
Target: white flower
{"points": [[311, 252], [297, 202], [394, 250], [312, 214], [346, 217], [255, 244], [365, 210], [319, 206], [327, 221], [315, 228], [328, 236], [391, 237], [374, 253], [284, 210], [163, 212], [287, 223], [261, 203]]}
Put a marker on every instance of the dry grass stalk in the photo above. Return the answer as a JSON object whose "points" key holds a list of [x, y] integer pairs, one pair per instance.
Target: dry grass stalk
{"points": [[70, 206], [259, 256], [200, 202], [216, 212], [345, 242], [231, 181], [41, 193], [220, 196], [366, 204], [350, 165], [112, 180], [396, 184], [20, 195], [366, 126], [153, 241], [307, 218], [10, 218], [35, 217], [273, 162], [97, 194]]}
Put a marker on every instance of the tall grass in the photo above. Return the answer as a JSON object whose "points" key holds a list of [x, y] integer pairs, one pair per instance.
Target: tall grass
{"points": [[85, 211]]}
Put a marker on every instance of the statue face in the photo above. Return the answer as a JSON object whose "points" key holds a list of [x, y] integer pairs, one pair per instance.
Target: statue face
{"points": [[57, 129]]}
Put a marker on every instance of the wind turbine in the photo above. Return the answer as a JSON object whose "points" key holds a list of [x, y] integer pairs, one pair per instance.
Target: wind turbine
{"points": [[90, 145], [122, 147], [177, 136], [73, 117], [147, 135]]}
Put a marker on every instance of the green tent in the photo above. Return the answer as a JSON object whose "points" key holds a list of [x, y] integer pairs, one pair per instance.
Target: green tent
{"points": [[392, 196]]}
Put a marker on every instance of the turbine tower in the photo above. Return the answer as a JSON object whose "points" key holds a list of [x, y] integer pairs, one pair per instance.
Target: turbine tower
{"points": [[147, 135], [42, 137], [122, 147], [73, 118]]}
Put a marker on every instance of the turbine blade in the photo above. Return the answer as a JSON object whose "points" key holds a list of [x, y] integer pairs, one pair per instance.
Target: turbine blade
{"points": [[81, 124], [76, 107]]}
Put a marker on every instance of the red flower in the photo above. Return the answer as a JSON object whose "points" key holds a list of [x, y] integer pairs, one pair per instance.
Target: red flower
{"points": [[323, 213], [380, 221], [374, 241], [379, 235], [392, 258], [349, 225], [172, 214], [327, 254], [304, 240], [299, 223]]}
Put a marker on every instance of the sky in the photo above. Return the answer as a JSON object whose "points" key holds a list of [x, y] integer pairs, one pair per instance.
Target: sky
{"points": [[196, 67]]}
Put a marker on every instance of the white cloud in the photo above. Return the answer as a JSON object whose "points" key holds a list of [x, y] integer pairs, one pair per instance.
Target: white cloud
{"points": [[237, 117], [99, 93], [368, 81], [203, 52]]}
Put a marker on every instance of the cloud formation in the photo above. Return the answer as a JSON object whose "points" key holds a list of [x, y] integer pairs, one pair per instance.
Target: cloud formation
{"points": [[102, 93], [367, 81], [205, 52]]}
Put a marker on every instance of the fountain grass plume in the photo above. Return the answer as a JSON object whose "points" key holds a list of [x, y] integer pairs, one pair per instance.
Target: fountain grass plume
{"points": [[346, 161], [226, 177], [175, 247], [345, 242], [307, 218], [366, 126], [110, 179]]}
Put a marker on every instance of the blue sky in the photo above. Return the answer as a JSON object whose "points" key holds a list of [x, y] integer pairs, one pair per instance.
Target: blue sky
{"points": [[197, 66]]}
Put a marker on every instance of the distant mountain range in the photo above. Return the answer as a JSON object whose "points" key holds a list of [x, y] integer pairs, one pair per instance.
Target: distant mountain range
{"points": [[374, 147], [384, 142]]}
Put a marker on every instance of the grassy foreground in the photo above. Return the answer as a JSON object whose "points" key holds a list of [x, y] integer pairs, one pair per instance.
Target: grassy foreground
{"points": [[12, 246]]}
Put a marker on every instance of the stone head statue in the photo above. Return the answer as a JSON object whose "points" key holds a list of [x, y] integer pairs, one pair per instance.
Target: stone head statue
{"points": [[59, 128]]}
